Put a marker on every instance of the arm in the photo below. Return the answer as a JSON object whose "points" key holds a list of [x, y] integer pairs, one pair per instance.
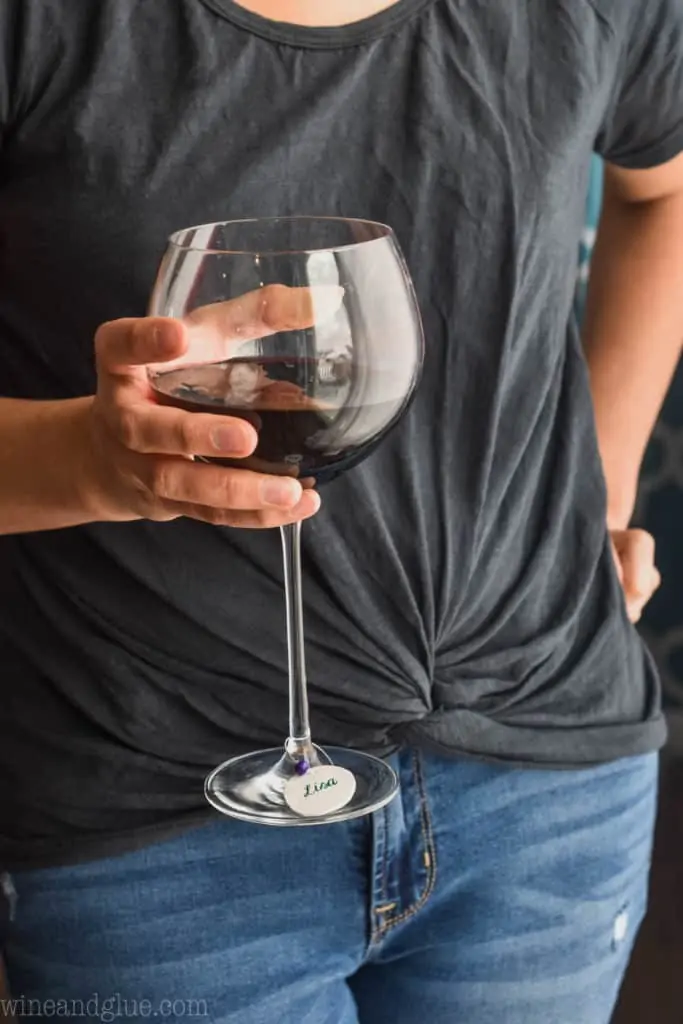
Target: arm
{"points": [[118, 456], [43, 465], [634, 322]]}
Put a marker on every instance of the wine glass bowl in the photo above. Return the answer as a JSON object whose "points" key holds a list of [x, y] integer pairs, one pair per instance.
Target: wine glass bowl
{"points": [[308, 329], [318, 347]]}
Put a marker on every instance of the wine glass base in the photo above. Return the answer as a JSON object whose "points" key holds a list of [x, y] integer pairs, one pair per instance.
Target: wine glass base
{"points": [[252, 787]]}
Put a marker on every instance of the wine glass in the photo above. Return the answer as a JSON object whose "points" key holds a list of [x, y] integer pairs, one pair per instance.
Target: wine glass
{"points": [[308, 328]]}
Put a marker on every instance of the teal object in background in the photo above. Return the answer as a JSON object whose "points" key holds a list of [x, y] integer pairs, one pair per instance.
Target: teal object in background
{"points": [[660, 501], [589, 232]]}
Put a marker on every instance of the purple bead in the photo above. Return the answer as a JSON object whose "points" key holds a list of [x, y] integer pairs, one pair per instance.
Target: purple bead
{"points": [[302, 766]]}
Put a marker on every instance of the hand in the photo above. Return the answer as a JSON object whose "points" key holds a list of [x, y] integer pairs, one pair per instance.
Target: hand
{"points": [[634, 556], [140, 453]]}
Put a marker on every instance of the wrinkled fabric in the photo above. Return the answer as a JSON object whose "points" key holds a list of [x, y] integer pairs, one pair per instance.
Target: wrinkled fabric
{"points": [[459, 588]]}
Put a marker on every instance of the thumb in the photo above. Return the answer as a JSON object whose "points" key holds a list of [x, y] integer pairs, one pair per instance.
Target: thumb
{"points": [[121, 345]]}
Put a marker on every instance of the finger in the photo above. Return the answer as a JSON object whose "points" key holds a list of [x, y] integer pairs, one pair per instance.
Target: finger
{"points": [[617, 561], [634, 611], [121, 345], [254, 520], [223, 488], [268, 310], [636, 605], [162, 430], [216, 330], [637, 555]]}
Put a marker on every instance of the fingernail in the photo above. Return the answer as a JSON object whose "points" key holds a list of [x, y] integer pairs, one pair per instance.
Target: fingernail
{"points": [[228, 439], [307, 507], [281, 492]]}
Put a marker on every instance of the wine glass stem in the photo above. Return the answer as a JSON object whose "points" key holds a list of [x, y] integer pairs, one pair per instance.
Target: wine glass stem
{"points": [[299, 743]]}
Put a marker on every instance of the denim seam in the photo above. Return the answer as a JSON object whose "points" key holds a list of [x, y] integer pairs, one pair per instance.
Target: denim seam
{"points": [[385, 858], [430, 851]]}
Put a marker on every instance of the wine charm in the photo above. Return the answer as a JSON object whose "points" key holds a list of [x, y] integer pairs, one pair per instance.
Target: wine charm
{"points": [[320, 791]]}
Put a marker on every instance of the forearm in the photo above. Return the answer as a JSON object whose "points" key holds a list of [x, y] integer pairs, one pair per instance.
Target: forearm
{"points": [[633, 333], [43, 452]]}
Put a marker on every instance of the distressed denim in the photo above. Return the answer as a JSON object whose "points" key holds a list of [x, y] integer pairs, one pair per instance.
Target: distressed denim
{"points": [[481, 895]]}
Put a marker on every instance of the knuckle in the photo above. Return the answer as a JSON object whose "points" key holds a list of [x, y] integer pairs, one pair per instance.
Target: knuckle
{"points": [[128, 428], [272, 298], [137, 339], [102, 337], [158, 514], [235, 490], [272, 520], [100, 341], [185, 435], [212, 516], [217, 517], [644, 540], [273, 293], [111, 342], [160, 480]]}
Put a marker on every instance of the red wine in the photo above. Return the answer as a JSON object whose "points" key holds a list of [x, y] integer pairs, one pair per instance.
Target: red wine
{"points": [[309, 414]]}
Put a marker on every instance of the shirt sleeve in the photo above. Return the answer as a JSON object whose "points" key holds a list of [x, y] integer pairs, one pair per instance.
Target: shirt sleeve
{"points": [[644, 124]]}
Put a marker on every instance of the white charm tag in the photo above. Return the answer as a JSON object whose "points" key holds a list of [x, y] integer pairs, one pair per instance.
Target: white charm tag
{"points": [[322, 790]]}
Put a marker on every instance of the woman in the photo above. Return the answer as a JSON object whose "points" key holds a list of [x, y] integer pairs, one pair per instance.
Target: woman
{"points": [[467, 622]]}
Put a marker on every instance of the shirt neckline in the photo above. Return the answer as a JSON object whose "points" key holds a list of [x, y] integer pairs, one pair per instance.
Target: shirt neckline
{"points": [[326, 37]]}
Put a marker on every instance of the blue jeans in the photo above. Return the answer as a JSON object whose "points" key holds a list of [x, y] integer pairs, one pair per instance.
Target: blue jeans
{"points": [[481, 895]]}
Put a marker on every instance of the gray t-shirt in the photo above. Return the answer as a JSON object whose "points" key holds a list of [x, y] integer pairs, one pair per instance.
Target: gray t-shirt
{"points": [[459, 587]]}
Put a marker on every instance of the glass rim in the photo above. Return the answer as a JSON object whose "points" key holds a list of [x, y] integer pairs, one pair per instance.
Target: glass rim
{"points": [[174, 239]]}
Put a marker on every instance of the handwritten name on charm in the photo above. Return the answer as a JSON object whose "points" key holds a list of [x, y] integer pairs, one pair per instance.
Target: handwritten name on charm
{"points": [[318, 787], [320, 791]]}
